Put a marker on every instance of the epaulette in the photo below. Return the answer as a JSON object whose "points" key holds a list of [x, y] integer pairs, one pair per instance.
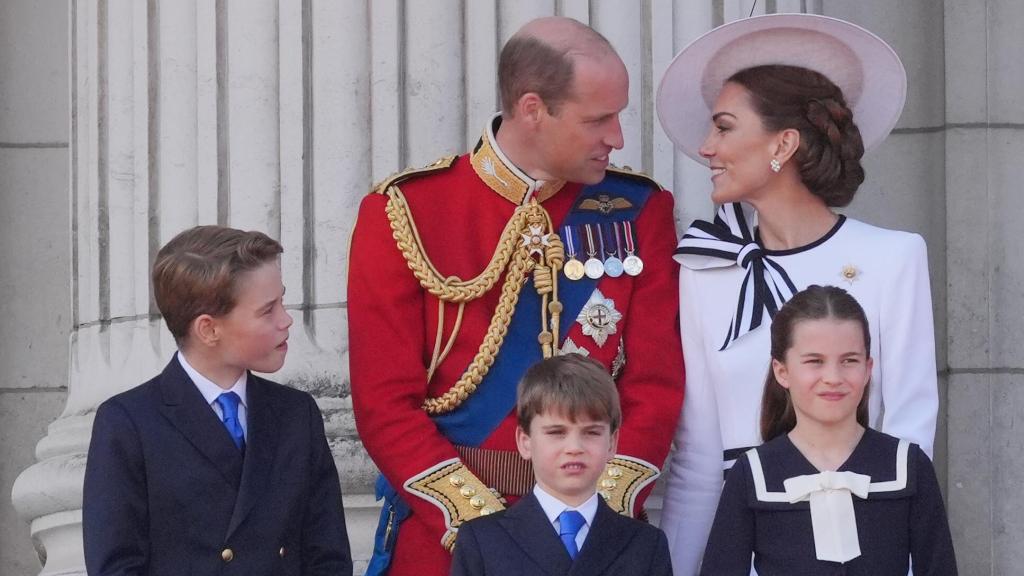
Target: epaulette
{"points": [[630, 173], [440, 164]]}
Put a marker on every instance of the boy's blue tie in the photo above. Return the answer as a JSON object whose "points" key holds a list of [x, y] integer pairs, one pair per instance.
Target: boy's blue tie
{"points": [[228, 403], [569, 524]]}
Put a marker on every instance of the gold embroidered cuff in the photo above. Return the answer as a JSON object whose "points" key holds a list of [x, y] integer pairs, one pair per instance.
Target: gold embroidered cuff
{"points": [[459, 494], [622, 480]]}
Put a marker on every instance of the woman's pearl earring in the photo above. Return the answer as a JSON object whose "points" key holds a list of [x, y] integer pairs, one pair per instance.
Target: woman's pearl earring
{"points": [[776, 166]]}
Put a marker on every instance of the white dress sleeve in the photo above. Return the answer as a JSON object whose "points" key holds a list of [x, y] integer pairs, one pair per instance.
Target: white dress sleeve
{"points": [[695, 467], [909, 387]]}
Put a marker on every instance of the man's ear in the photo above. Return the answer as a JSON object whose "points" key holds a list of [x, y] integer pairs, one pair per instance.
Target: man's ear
{"points": [[531, 108]]}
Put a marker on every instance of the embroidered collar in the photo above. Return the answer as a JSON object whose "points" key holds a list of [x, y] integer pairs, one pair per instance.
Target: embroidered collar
{"points": [[830, 495], [894, 485], [504, 177]]}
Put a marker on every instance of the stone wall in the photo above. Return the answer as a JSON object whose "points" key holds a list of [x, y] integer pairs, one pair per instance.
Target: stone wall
{"points": [[35, 250]]}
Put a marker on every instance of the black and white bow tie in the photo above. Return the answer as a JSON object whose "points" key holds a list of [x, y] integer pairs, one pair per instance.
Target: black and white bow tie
{"points": [[728, 241]]}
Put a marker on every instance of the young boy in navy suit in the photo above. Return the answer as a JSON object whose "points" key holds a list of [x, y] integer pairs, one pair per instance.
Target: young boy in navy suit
{"points": [[569, 416], [208, 469]]}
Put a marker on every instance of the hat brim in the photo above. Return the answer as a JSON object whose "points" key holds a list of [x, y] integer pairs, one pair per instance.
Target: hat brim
{"points": [[867, 70]]}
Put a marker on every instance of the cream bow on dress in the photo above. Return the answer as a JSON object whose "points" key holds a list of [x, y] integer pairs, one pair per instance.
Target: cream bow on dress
{"points": [[832, 517]]}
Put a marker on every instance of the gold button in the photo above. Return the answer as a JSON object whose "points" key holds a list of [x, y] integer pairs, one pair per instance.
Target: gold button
{"points": [[227, 555], [609, 483], [456, 480], [281, 552], [477, 502], [486, 510], [467, 491], [615, 472]]}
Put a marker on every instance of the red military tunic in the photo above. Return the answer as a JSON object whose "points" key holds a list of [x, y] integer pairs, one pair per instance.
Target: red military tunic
{"points": [[460, 209]]}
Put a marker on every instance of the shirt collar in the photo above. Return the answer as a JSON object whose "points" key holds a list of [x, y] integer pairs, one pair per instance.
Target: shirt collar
{"points": [[553, 506], [504, 177], [208, 389]]}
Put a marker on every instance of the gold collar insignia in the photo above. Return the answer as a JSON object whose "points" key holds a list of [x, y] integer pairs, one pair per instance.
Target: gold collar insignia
{"points": [[502, 176]]}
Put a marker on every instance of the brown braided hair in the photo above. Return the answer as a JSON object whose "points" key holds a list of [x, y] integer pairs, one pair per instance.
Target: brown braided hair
{"points": [[791, 97]]}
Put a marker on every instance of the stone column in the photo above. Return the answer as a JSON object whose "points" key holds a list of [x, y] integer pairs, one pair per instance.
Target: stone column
{"points": [[189, 112], [984, 147]]}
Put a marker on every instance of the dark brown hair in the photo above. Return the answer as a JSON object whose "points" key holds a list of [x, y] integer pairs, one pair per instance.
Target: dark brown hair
{"points": [[791, 97], [813, 303], [197, 272], [529, 64], [572, 384]]}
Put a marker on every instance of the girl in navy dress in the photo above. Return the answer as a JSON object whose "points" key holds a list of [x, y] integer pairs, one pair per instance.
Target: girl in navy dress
{"points": [[826, 494]]}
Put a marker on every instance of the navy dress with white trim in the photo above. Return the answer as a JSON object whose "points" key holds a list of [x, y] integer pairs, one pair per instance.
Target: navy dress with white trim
{"points": [[902, 517]]}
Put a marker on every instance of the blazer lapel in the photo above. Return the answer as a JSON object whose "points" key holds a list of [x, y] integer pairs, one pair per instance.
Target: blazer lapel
{"points": [[260, 446], [608, 537], [186, 408], [529, 527]]}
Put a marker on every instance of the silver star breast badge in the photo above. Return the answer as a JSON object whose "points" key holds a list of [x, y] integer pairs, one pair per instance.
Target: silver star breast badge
{"points": [[599, 317], [570, 347]]}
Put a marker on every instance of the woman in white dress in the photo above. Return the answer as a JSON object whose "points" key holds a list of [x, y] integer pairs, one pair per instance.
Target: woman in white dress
{"points": [[781, 108]]}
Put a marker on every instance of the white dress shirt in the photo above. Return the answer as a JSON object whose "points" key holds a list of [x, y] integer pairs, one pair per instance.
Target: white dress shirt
{"points": [[553, 507], [211, 391]]}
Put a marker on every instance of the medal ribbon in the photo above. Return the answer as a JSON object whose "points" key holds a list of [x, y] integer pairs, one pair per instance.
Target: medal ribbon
{"points": [[591, 247], [570, 242], [628, 237]]}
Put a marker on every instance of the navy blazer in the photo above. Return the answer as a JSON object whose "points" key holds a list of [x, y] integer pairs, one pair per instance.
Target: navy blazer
{"points": [[168, 493], [521, 541]]}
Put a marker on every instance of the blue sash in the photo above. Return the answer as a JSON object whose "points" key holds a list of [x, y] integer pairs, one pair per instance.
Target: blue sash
{"points": [[480, 414], [495, 397]]}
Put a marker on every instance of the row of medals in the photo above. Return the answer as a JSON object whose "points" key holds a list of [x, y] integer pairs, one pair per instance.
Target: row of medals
{"points": [[594, 267]]}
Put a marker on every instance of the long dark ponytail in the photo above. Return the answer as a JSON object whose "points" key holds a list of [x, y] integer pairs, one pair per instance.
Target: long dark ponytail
{"points": [[814, 303]]}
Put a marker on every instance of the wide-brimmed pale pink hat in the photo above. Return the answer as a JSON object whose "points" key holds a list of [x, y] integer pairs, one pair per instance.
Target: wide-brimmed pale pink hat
{"points": [[867, 70]]}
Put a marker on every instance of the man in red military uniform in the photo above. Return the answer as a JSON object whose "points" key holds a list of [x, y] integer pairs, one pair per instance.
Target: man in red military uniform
{"points": [[464, 273]]}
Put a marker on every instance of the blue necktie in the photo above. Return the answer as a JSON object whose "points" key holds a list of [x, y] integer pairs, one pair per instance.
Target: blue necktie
{"points": [[569, 524], [228, 403]]}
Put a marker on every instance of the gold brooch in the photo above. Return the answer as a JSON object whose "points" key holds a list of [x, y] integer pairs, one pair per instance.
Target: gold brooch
{"points": [[849, 273]]}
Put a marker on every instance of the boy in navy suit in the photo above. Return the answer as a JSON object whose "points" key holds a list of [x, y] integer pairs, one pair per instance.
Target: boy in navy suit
{"points": [[208, 469], [569, 416]]}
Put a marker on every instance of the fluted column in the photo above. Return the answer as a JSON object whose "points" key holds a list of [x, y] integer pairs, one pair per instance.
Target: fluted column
{"points": [[191, 112]]}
